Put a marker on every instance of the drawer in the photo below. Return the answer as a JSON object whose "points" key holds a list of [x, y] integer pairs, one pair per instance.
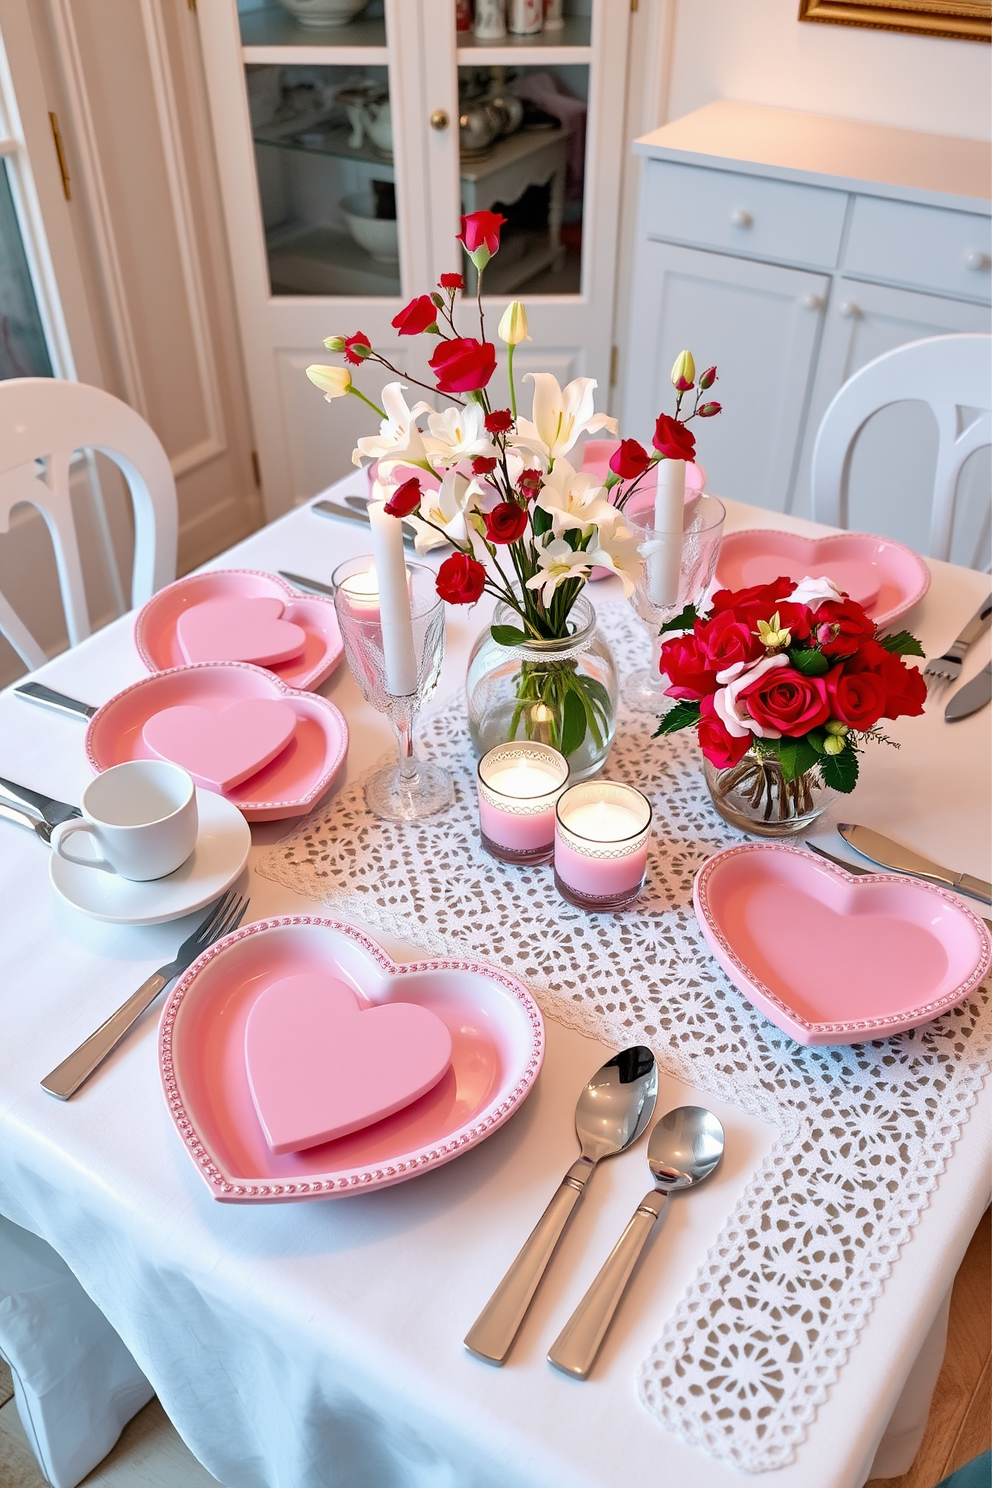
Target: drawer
{"points": [[743, 214], [927, 247]]}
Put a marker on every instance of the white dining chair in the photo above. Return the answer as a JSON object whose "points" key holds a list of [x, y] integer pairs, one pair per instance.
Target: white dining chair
{"points": [[44, 422], [953, 374]]}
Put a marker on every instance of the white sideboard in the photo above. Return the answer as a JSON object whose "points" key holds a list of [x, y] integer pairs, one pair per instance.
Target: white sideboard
{"points": [[790, 249]]}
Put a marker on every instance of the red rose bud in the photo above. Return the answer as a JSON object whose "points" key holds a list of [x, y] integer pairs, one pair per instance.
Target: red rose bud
{"points": [[629, 460], [482, 465], [463, 365], [506, 522], [419, 316], [460, 579], [530, 483], [709, 410], [405, 499], [451, 281], [707, 379], [500, 421], [673, 439], [480, 234], [357, 348]]}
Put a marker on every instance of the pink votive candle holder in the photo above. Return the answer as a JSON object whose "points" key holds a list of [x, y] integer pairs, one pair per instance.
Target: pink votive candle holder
{"points": [[518, 787], [601, 844]]}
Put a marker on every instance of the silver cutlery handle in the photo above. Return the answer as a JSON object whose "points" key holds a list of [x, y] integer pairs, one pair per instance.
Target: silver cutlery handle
{"points": [[497, 1325], [67, 1077], [575, 1349], [976, 887], [976, 624], [47, 697]]}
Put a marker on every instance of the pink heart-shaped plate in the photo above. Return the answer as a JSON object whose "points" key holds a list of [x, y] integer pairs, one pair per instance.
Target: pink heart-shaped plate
{"points": [[156, 624], [287, 786], [884, 576], [497, 1048], [221, 747], [832, 958]]}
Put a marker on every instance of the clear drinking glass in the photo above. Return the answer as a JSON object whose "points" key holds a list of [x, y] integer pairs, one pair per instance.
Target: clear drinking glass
{"points": [[702, 532], [413, 788]]}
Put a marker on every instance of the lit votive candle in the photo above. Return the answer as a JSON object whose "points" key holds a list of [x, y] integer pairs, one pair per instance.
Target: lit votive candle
{"points": [[601, 844], [518, 787]]}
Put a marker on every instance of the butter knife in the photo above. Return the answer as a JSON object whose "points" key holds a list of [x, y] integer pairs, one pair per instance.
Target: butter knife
{"points": [[969, 698], [47, 697], [899, 859], [300, 581]]}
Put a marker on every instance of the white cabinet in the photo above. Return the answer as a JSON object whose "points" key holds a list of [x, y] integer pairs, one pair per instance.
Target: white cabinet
{"points": [[790, 250]]}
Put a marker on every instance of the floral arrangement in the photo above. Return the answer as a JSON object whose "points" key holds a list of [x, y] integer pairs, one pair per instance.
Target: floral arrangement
{"points": [[793, 671], [481, 474]]}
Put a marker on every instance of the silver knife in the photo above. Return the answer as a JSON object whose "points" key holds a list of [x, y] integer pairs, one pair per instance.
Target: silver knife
{"points": [[345, 514], [47, 807], [47, 697], [901, 859], [821, 852], [299, 581], [24, 819], [969, 698]]}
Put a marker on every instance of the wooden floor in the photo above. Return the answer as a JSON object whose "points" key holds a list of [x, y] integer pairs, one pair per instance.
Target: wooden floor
{"points": [[151, 1455]]}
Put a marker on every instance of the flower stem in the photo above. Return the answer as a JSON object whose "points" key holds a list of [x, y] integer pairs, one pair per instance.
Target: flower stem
{"points": [[374, 406], [509, 374]]}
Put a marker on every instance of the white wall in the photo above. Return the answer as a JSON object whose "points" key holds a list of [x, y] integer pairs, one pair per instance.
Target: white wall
{"points": [[757, 51]]}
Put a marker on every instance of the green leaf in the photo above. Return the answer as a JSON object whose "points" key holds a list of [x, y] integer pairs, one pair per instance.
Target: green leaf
{"points": [[900, 644], [683, 715], [508, 635], [810, 663], [573, 724], [590, 712], [796, 757], [684, 621], [540, 520], [840, 771], [816, 738]]}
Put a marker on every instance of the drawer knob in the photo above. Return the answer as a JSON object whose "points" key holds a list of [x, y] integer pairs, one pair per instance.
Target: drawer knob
{"points": [[976, 260], [740, 218], [439, 119], [848, 309], [812, 301]]}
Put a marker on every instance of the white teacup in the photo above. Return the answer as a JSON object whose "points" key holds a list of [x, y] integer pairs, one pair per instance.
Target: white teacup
{"points": [[142, 816]]}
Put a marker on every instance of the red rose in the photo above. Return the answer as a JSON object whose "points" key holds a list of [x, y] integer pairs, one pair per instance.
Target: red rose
{"points": [[786, 702], [460, 579], [357, 348], [856, 698], [481, 229], [709, 410], [905, 689], [451, 281], [673, 439], [500, 421], [481, 465], [463, 365], [684, 663], [707, 379], [529, 483], [841, 626], [719, 746], [629, 460], [758, 594], [405, 499], [506, 522], [726, 639], [420, 315]]}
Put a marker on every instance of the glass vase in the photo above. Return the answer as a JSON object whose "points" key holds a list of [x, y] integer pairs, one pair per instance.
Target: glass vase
{"points": [[754, 796], [562, 692]]}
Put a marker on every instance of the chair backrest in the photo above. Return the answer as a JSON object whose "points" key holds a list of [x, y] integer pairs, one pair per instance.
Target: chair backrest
{"points": [[43, 423], [953, 374]]}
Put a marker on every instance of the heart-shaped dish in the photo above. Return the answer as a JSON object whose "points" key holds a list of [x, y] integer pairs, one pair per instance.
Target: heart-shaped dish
{"points": [[832, 958], [157, 639], [497, 1049], [288, 786], [884, 576]]}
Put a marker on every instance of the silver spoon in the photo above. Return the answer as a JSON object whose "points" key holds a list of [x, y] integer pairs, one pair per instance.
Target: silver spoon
{"points": [[685, 1147], [612, 1112]]}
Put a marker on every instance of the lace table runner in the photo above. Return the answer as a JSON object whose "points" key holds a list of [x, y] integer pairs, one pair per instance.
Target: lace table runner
{"points": [[863, 1132]]}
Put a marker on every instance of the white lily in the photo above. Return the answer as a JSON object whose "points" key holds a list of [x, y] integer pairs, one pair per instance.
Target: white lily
{"points": [[448, 508], [559, 562], [457, 434], [575, 499], [560, 415], [399, 441], [728, 706], [617, 549]]}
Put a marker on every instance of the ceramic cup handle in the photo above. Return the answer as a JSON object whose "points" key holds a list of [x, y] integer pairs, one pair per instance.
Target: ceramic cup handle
{"points": [[65, 829]]}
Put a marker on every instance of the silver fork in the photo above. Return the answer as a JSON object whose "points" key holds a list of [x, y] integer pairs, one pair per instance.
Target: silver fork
{"points": [[67, 1077], [947, 668]]}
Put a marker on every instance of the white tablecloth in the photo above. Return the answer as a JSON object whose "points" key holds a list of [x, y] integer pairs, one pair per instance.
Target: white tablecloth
{"points": [[320, 1343]]}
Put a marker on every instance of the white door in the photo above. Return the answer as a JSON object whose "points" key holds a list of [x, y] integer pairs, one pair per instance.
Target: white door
{"points": [[759, 324], [894, 460], [305, 150]]}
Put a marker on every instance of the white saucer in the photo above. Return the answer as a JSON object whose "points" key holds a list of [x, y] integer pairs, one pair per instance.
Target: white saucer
{"points": [[221, 852]]}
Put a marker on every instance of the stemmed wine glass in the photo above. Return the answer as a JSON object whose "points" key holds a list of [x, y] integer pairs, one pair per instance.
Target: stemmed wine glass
{"points": [[702, 532], [412, 788]]}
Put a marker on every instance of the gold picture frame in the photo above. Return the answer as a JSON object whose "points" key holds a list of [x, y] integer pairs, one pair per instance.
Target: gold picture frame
{"points": [[963, 20]]}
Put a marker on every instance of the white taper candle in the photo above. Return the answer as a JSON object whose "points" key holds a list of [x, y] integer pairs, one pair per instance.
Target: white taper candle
{"points": [[394, 601], [666, 552]]}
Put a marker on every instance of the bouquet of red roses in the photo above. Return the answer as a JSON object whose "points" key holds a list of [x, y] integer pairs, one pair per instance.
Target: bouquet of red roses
{"points": [[797, 671]]}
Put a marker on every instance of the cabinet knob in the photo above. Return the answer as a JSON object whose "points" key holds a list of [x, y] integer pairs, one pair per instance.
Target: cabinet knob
{"points": [[976, 260], [439, 119], [811, 301], [848, 309], [740, 218]]}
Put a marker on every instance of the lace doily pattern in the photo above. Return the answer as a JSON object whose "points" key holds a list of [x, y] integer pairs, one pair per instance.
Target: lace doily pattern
{"points": [[863, 1132]]}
